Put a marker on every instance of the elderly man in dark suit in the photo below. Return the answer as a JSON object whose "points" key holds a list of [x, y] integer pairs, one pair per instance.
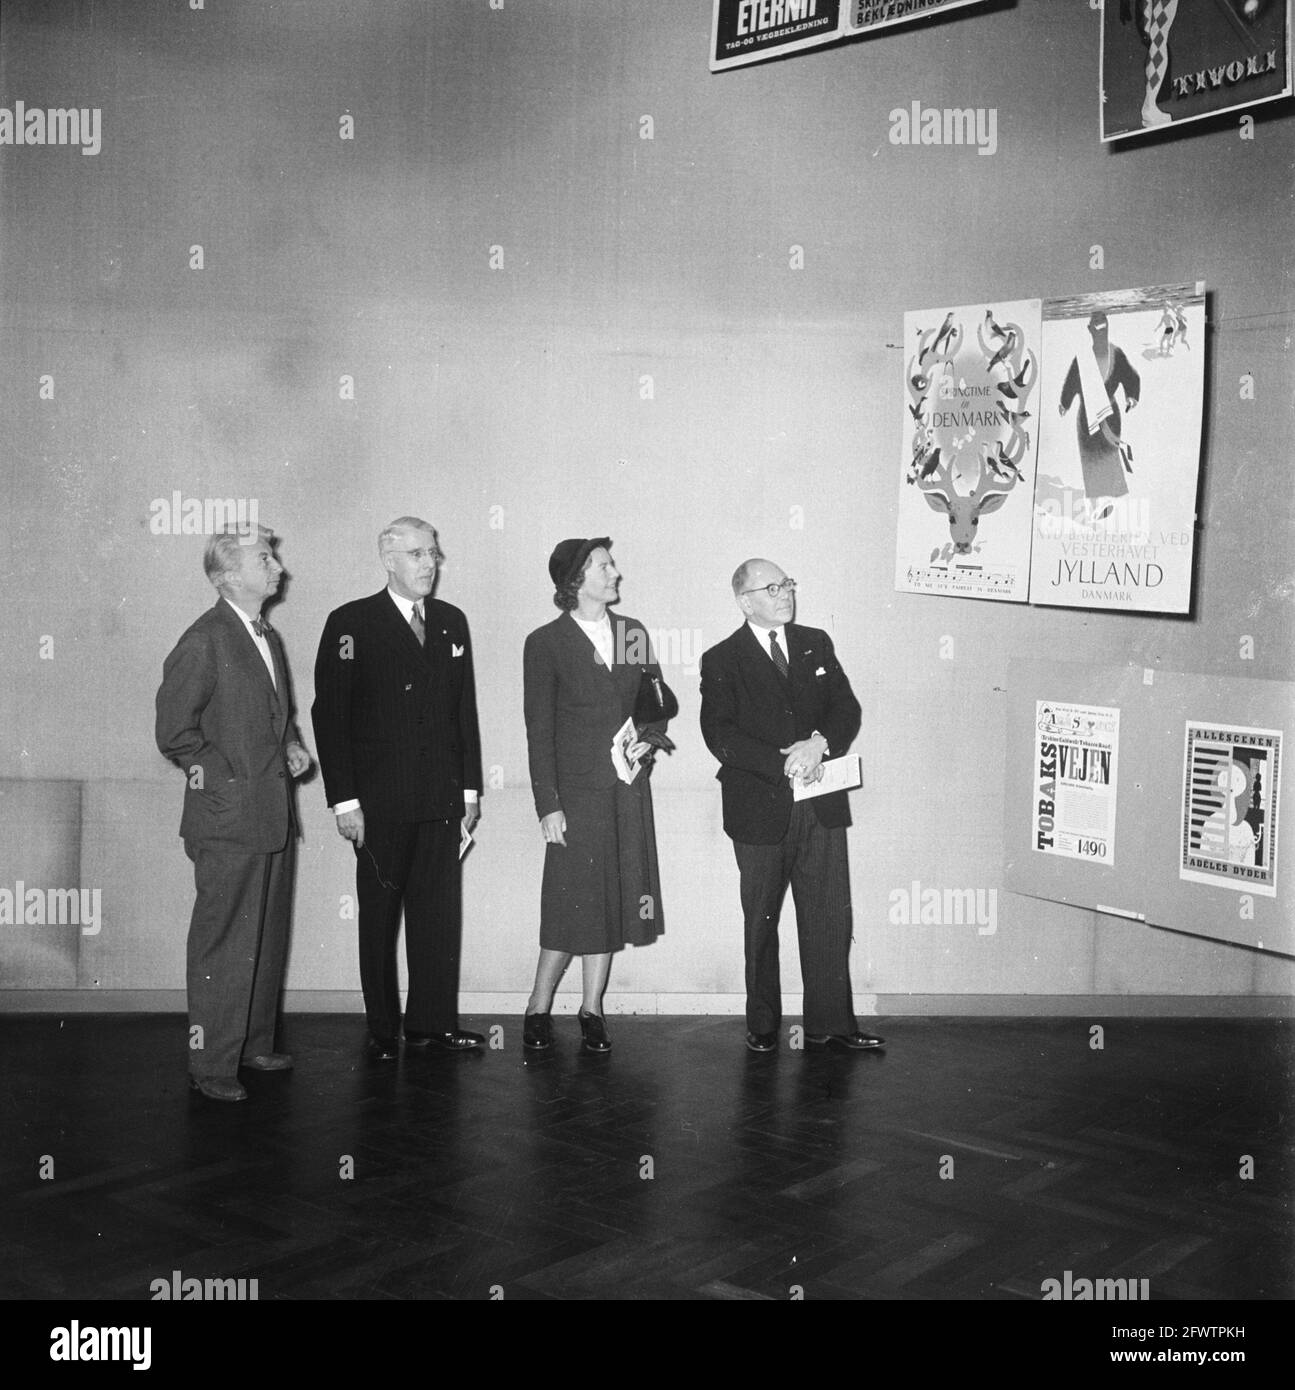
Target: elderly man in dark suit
{"points": [[395, 718], [225, 717], [774, 703]]}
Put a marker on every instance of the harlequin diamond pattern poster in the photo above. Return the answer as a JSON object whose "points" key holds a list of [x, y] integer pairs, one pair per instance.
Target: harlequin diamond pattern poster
{"points": [[966, 484], [1166, 62]]}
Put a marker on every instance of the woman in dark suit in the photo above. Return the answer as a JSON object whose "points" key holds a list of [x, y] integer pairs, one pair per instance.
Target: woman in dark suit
{"points": [[582, 675]]}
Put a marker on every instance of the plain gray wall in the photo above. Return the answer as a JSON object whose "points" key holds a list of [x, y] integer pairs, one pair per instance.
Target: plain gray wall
{"points": [[506, 405]]}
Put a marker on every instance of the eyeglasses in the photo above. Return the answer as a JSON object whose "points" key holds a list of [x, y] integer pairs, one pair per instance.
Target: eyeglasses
{"points": [[773, 590], [436, 554]]}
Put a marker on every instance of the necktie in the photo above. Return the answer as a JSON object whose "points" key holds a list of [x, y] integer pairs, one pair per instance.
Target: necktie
{"points": [[261, 627], [416, 622], [775, 651]]}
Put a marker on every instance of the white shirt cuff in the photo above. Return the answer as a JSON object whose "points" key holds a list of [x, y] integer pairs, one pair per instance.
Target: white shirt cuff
{"points": [[343, 806]]}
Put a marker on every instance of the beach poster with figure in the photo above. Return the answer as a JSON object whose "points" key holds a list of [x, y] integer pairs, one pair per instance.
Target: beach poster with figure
{"points": [[1231, 789], [1120, 403], [1166, 62], [1076, 754], [971, 377]]}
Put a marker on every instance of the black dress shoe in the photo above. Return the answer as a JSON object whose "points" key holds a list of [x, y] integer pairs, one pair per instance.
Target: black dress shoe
{"points": [[762, 1042], [850, 1042], [382, 1049], [537, 1031], [594, 1032], [456, 1041]]}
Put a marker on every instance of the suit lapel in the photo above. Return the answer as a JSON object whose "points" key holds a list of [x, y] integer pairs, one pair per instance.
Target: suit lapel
{"points": [[799, 660], [280, 692], [397, 633], [438, 655], [627, 666], [581, 649], [757, 660], [246, 643]]}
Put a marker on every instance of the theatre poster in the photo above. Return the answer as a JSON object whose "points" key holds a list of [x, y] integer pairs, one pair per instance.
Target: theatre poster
{"points": [[1231, 790], [966, 475], [1119, 411], [1167, 62], [1076, 756]]}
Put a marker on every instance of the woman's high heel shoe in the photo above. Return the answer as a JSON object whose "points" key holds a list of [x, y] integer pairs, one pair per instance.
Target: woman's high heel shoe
{"points": [[594, 1031], [537, 1031]]}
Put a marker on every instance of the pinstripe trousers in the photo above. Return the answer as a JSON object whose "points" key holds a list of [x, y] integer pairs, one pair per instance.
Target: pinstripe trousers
{"points": [[813, 860]]}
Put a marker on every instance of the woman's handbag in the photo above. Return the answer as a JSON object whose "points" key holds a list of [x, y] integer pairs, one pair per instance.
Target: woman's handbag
{"points": [[654, 704]]}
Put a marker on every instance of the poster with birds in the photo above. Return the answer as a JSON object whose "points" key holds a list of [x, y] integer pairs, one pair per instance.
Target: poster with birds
{"points": [[1120, 408], [969, 445]]}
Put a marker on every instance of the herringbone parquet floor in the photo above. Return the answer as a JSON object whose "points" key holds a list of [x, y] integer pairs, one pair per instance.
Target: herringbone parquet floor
{"points": [[973, 1160]]}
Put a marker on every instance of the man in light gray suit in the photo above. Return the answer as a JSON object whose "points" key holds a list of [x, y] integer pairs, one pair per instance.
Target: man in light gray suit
{"points": [[225, 718]]}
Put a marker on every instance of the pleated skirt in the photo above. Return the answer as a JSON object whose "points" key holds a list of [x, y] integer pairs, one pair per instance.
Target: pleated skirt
{"points": [[603, 889]]}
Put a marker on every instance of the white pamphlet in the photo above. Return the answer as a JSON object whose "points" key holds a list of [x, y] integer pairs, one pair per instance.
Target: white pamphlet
{"points": [[839, 775], [627, 768]]}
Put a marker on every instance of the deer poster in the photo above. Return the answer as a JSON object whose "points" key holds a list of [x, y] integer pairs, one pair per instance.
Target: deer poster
{"points": [[1119, 410], [970, 379]]}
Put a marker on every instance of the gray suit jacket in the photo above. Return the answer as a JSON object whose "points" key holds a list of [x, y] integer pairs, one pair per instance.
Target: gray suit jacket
{"points": [[222, 721]]}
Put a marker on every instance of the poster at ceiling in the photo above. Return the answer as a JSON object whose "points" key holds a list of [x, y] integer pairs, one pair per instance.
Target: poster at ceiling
{"points": [[748, 31], [863, 16], [1166, 62], [967, 473], [1076, 753], [1231, 789], [1119, 412]]}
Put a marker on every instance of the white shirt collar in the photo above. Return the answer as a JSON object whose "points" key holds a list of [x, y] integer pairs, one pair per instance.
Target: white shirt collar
{"points": [[406, 605], [599, 632], [762, 634], [262, 642], [247, 622]]}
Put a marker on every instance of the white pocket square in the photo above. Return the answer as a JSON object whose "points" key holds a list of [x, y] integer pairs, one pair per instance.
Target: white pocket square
{"points": [[820, 672], [455, 651]]}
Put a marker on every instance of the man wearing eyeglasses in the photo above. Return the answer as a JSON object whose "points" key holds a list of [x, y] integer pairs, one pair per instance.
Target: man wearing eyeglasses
{"points": [[395, 718], [225, 715], [774, 704]]}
